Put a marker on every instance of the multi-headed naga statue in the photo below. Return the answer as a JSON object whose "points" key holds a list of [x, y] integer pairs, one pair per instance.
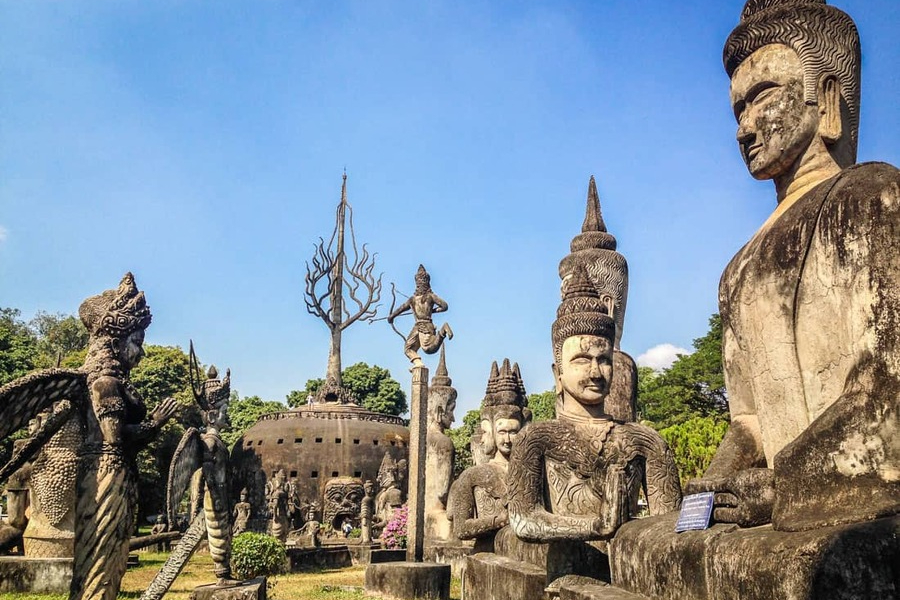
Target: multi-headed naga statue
{"points": [[423, 304], [115, 425], [204, 452], [331, 267]]}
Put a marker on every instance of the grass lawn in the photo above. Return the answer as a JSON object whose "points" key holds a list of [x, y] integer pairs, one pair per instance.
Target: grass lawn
{"points": [[329, 584]]}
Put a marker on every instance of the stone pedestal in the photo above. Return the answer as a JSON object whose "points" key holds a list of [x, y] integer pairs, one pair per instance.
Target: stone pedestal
{"points": [[327, 557], [36, 575], [252, 589], [409, 581], [415, 498], [453, 553], [846, 562], [493, 577]]}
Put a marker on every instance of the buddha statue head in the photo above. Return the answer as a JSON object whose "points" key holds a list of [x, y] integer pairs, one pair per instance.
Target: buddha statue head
{"points": [[583, 342], [795, 89], [503, 411]]}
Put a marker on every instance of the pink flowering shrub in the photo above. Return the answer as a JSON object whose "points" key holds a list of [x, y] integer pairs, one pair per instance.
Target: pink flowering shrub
{"points": [[394, 535]]}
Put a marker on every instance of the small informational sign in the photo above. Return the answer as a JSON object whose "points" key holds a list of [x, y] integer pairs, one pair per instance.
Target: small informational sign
{"points": [[696, 510]]}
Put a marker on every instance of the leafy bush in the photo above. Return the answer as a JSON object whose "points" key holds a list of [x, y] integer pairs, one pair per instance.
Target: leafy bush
{"points": [[694, 443], [356, 532], [394, 535], [256, 554]]}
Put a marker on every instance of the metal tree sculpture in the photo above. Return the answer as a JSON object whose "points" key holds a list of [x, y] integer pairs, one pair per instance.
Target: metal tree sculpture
{"points": [[333, 270]]}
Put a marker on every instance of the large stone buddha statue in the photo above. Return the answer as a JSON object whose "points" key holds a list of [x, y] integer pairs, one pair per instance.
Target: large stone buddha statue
{"points": [[807, 480], [811, 305]]}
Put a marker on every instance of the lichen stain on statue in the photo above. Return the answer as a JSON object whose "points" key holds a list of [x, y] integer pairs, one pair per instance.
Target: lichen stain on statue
{"points": [[478, 499], [115, 426], [440, 453]]}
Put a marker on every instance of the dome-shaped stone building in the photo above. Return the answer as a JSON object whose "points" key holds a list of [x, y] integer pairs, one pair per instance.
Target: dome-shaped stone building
{"points": [[315, 444]]}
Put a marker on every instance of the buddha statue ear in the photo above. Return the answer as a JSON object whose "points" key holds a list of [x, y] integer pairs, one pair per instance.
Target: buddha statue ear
{"points": [[830, 121]]}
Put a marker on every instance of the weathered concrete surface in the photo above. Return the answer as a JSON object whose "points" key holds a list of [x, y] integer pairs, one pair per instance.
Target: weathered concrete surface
{"points": [[492, 577], [385, 556], [448, 553], [329, 557], [38, 575], [593, 591], [728, 563], [409, 581], [253, 589]]}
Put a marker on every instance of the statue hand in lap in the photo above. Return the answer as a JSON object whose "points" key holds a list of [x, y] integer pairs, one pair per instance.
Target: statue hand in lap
{"points": [[745, 498]]}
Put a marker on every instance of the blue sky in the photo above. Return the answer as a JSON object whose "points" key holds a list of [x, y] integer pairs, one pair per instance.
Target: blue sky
{"points": [[201, 146]]}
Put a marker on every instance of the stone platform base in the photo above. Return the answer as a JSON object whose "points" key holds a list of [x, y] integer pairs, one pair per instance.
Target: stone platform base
{"points": [[490, 576], [385, 556], [847, 562], [361, 554], [252, 589], [37, 575], [409, 581], [331, 557], [449, 553]]}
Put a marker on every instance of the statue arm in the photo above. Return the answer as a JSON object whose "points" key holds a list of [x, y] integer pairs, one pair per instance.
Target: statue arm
{"points": [[462, 510], [440, 305], [407, 305], [141, 433]]}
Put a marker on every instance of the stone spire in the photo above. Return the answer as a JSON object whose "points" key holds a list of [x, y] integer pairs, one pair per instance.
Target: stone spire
{"points": [[594, 250], [442, 376]]}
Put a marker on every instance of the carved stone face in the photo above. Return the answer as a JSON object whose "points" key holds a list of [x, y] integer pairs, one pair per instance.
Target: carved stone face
{"points": [[131, 349], [775, 125], [585, 369], [505, 432], [343, 499]]}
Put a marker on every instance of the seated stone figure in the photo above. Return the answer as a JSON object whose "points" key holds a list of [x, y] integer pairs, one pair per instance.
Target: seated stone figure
{"points": [[810, 310], [477, 505], [810, 305], [591, 466]]}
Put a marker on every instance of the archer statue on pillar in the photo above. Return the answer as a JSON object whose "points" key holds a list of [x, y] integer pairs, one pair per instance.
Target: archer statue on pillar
{"points": [[423, 304]]}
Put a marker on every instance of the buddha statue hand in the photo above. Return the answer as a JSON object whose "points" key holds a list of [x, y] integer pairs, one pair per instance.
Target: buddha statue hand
{"points": [[745, 498], [615, 509]]}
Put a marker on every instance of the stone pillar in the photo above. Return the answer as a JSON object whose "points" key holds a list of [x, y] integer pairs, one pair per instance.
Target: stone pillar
{"points": [[415, 524]]}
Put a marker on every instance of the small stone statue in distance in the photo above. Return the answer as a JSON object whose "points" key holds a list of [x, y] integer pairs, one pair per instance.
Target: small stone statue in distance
{"points": [[422, 305], [478, 498]]}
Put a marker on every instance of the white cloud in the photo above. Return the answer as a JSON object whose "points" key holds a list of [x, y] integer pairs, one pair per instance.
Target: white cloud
{"points": [[660, 357], [3, 234]]}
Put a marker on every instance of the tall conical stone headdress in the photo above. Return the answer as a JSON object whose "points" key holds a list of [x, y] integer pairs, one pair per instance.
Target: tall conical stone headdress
{"points": [[594, 249]]}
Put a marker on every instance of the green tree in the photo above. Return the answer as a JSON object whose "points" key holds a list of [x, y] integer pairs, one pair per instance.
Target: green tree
{"points": [[694, 443], [373, 387], [19, 352], [162, 373], [59, 336], [244, 413], [301, 397], [694, 386], [462, 437], [543, 406]]}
